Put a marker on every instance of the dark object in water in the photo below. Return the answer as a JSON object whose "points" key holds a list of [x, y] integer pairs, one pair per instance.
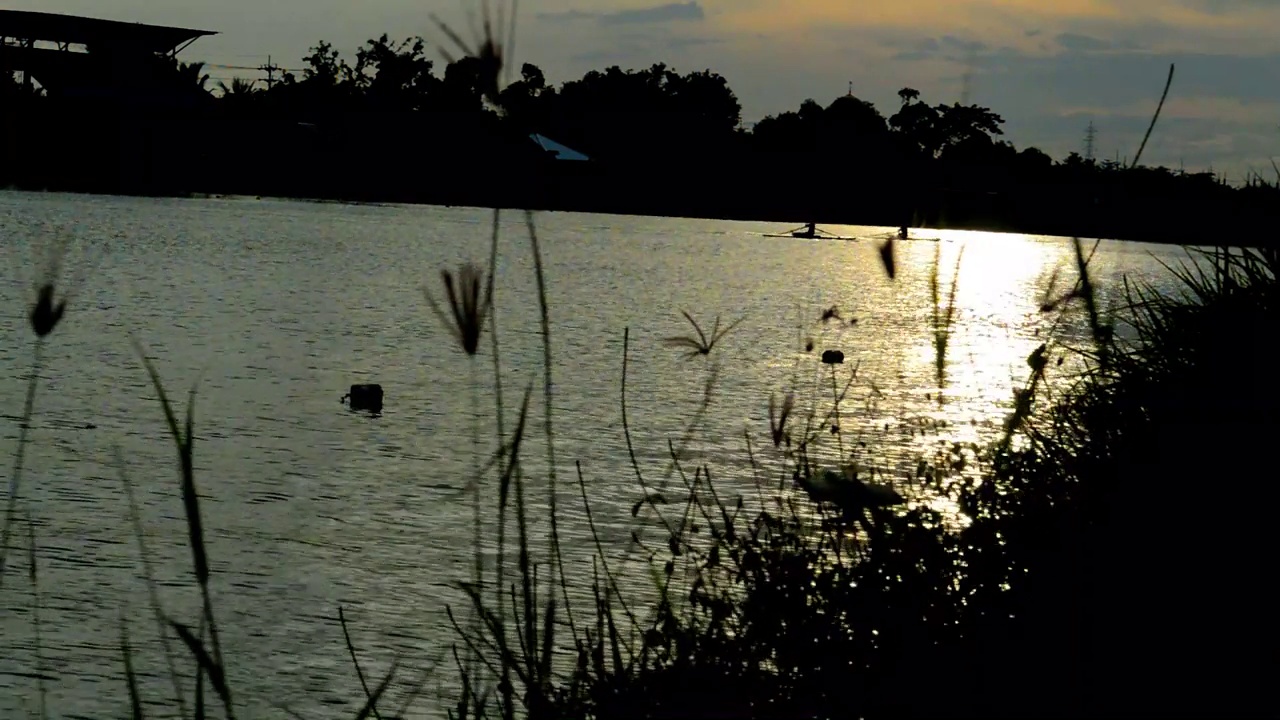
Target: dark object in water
{"points": [[832, 357], [364, 397]]}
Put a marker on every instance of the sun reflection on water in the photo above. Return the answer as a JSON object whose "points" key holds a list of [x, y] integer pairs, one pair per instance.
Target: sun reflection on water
{"points": [[983, 322]]}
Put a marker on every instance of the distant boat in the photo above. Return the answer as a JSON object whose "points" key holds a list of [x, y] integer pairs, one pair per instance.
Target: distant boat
{"points": [[809, 232], [903, 233]]}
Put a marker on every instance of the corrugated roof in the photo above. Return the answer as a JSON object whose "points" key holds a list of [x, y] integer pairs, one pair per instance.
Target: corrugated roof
{"points": [[51, 27]]}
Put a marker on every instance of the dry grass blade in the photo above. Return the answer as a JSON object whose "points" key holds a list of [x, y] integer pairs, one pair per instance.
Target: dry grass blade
{"points": [[184, 440], [544, 317], [1163, 96], [153, 596], [513, 454], [497, 641], [210, 667], [351, 648], [19, 456], [1102, 332], [548, 645], [595, 536], [778, 419], [943, 319], [626, 429], [34, 576], [135, 700], [372, 702]]}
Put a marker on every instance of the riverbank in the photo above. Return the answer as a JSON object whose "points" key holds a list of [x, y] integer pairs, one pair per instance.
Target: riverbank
{"points": [[1114, 216]]}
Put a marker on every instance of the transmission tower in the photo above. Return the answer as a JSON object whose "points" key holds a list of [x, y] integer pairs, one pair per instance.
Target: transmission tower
{"points": [[1090, 137]]}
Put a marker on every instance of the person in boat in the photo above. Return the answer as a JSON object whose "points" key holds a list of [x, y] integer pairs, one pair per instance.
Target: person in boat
{"points": [[902, 233], [809, 231]]}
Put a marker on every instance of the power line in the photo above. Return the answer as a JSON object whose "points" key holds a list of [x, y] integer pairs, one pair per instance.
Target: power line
{"points": [[253, 67]]}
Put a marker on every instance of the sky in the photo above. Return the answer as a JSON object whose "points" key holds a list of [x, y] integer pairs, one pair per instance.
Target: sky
{"points": [[1049, 67]]}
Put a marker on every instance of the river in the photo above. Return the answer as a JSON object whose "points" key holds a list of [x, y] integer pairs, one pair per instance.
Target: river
{"points": [[273, 308]]}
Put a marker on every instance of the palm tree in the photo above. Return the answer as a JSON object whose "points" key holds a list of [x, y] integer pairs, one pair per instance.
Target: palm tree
{"points": [[193, 74], [239, 88]]}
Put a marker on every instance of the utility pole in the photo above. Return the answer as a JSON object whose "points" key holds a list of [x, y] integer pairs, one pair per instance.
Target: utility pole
{"points": [[1090, 137], [270, 70]]}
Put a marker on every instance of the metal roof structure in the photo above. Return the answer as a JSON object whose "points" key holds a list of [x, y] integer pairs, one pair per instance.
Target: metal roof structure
{"points": [[70, 29], [561, 152]]}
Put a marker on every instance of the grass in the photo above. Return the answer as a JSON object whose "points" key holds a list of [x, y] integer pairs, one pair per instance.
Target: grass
{"points": [[1095, 546]]}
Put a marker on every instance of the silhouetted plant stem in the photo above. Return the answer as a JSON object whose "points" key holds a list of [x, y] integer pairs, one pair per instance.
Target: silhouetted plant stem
{"points": [[351, 648], [553, 511], [499, 563], [835, 408], [1163, 96], [943, 320], [19, 457], [148, 572], [477, 533], [626, 433], [34, 575], [595, 537], [493, 329], [184, 441], [1102, 334], [131, 679]]}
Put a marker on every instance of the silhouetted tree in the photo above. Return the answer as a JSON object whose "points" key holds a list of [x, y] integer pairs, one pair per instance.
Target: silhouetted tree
{"points": [[395, 76], [354, 128], [648, 113], [239, 89], [527, 101], [462, 89], [192, 75]]}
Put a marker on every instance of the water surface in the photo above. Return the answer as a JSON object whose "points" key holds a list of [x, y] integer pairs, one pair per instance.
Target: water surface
{"points": [[272, 308]]}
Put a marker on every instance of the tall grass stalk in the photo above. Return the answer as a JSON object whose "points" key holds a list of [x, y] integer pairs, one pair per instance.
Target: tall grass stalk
{"points": [[547, 393], [20, 453], [148, 571], [943, 317], [499, 587], [211, 663], [37, 603]]}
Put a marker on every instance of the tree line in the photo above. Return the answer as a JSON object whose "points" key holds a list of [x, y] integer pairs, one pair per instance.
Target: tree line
{"points": [[390, 123]]}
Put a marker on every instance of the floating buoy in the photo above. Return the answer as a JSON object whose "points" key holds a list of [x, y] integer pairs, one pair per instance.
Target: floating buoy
{"points": [[832, 357], [364, 397]]}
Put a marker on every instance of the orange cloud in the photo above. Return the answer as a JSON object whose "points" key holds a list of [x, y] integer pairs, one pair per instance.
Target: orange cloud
{"points": [[999, 21], [766, 16]]}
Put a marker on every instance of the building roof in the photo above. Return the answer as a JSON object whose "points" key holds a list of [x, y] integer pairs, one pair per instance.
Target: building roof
{"points": [[560, 151], [51, 27]]}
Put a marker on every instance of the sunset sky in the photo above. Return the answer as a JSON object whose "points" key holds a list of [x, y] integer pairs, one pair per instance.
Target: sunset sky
{"points": [[1047, 67]]}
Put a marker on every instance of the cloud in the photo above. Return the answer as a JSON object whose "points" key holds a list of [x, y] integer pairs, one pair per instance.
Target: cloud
{"points": [[1075, 42], [567, 15], [949, 47], [673, 12]]}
